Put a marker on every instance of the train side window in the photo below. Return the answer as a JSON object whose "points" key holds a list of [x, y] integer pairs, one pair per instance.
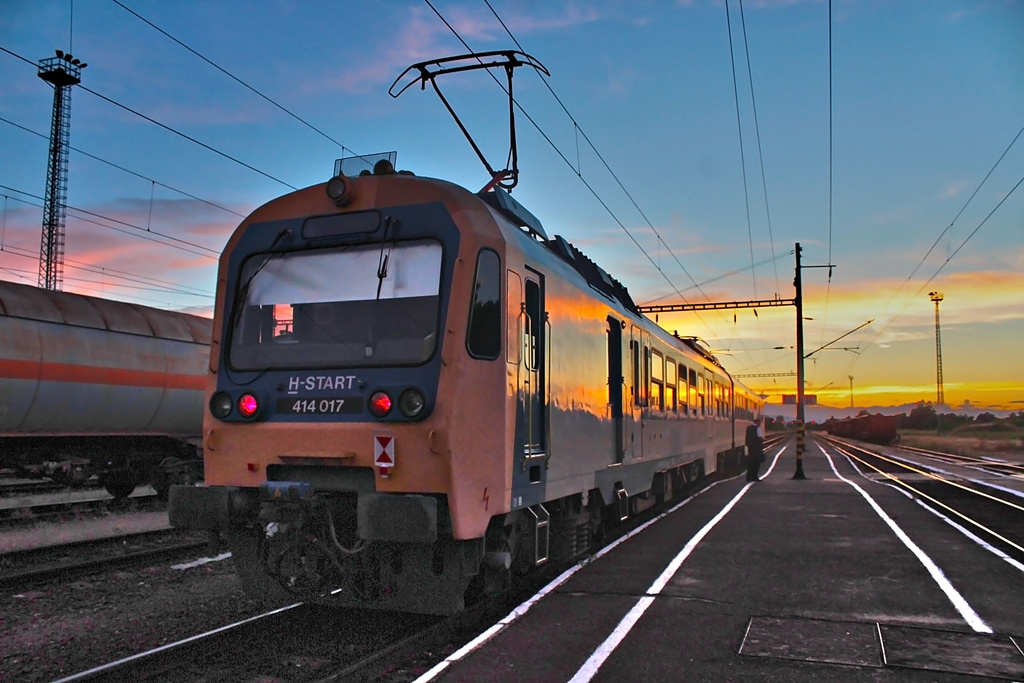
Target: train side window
{"points": [[634, 351], [670, 385], [692, 393], [684, 401], [702, 394], [646, 383], [534, 325], [483, 334], [513, 317], [657, 380]]}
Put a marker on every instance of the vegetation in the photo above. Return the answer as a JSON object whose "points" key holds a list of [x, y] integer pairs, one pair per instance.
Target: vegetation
{"points": [[924, 427], [984, 434]]}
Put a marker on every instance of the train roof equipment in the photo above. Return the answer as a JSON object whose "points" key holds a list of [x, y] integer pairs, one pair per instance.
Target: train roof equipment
{"points": [[509, 60]]}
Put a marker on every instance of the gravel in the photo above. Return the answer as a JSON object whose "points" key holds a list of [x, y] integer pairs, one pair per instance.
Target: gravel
{"points": [[62, 629]]}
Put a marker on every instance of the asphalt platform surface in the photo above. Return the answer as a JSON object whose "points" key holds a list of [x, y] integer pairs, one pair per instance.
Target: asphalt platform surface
{"points": [[797, 580]]}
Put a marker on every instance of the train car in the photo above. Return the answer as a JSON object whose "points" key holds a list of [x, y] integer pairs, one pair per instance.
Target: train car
{"points": [[878, 428], [418, 396], [92, 386]]}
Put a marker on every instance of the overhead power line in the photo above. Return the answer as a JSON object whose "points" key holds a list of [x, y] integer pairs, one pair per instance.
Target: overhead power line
{"points": [[757, 135], [593, 147], [232, 76], [152, 284], [562, 155], [128, 170], [739, 129], [186, 136], [140, 232], [166, 127]]}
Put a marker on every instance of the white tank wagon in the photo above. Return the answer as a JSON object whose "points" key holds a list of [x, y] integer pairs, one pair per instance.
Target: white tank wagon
{"points": [[89, 385]]}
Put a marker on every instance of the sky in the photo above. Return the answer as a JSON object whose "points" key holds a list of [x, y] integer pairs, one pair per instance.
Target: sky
{"points": [[881, 136]]}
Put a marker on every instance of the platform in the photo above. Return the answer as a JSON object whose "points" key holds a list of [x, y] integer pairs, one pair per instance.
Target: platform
{"points": [[797, 580]]}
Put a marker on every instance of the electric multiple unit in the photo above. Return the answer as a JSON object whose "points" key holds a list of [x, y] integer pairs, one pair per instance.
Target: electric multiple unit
{"points": [[416, 394]]}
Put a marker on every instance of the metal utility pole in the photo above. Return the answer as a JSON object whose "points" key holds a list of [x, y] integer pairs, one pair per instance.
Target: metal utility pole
{"points": [[798, 301], [851, 390], [940, 397], [62, 72]]}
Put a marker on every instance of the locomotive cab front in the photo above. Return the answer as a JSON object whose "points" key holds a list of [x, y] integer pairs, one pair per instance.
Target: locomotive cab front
{"points": [[334, 404]]}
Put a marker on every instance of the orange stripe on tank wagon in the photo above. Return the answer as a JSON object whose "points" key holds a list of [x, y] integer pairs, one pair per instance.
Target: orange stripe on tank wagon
{"points": [[92, 374]]}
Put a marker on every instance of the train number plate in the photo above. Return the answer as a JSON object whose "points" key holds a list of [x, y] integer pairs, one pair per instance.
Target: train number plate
{"points": [[337, 405]]}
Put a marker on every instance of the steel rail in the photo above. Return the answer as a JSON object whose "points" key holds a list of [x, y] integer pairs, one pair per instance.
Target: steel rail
{"points": [[839, 446]]}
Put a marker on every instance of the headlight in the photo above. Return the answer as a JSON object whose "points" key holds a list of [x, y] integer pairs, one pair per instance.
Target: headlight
{"points": [[412, 402], [220, 405]]}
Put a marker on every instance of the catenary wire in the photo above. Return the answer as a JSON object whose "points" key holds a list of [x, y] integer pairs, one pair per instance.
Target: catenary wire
{"points": [[566, 160], [152, 284], [580, 131], [739, 131], [127, 170], [232, 76], [661, 241], [757, 136], [165, 127], [140, 232]]}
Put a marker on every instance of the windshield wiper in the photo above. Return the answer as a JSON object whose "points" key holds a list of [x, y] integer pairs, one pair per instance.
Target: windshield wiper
{"points": [[382, 260]]}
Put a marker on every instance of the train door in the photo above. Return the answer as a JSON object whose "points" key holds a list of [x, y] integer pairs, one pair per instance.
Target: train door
{"points": [[639, 350], [616, 384], [532, 447]]}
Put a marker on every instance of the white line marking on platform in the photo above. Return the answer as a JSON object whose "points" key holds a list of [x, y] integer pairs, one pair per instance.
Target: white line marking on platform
{"points": [[948, 520], [562, 578], [593, 664], [959, 602]]}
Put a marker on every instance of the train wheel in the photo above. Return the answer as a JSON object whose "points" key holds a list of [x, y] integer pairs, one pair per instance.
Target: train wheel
{"points": [[118, 484], [173, 472], [264, 589]]}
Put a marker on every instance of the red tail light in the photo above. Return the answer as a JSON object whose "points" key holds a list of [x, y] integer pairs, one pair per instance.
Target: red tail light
{"points": [[248, 405], [380, 404]]}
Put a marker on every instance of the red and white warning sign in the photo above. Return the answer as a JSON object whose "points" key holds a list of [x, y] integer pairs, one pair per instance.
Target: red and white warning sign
{"points": [[384, 451]]}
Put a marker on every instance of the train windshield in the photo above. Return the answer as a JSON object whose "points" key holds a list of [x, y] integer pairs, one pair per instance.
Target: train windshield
{"points": [[356, 306]]}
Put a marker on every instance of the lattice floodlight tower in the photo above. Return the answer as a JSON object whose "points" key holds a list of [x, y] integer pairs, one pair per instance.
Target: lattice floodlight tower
{"points": [[940, 397], [62, 72], [509, 60]]}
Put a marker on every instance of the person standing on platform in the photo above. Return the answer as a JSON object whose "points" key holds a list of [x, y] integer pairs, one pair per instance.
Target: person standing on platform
{"points": [[755, 450]]}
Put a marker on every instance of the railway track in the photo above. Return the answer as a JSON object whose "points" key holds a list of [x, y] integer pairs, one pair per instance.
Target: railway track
{"points": [[22, 569], [993, 512], [10, 489], [303, 642], [985, 464], [72, 504], [317, 643]]}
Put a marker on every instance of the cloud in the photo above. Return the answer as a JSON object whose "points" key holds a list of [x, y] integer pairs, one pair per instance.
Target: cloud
{"points": [[424, 36], [123, 262], [953, 189]]}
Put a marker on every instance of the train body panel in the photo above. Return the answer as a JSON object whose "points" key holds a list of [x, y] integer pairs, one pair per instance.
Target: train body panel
{"points": [[80, 372], [878, 428], [414, 393]]}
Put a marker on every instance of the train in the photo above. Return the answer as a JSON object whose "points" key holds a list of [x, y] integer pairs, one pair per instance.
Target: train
{"points": [[418, 397], [92, 387], [877, 428]]}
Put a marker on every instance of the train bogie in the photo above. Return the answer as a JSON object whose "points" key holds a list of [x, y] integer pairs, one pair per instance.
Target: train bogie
{"points": [[419, 396]]}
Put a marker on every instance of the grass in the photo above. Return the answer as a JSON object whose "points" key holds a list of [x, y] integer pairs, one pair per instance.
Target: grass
{"points": [[969, 440]]}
